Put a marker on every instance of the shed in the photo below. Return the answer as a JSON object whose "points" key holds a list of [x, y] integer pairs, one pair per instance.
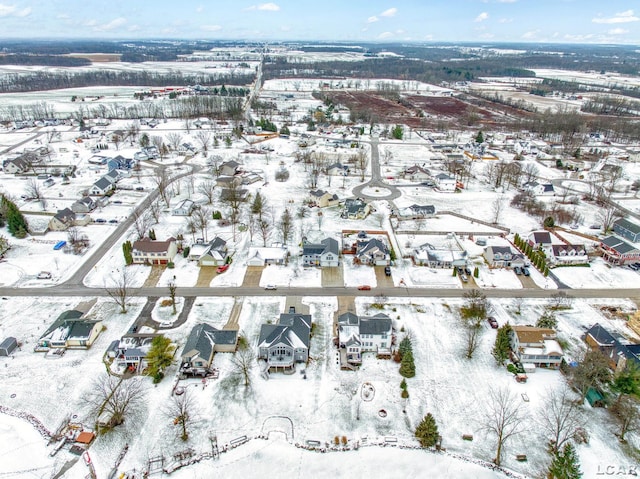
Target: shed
{"points": [[595, 398], [85, 437], [8, 346]]}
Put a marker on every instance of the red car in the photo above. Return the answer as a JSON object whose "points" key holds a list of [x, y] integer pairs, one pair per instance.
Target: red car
{"points": [[492, 322], [223, 268], [364, 287]]}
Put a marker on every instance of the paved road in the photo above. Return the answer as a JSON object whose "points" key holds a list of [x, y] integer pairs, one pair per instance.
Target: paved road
{"points": [[376, 180]]}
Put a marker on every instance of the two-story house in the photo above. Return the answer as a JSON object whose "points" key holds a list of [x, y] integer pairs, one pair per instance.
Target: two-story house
{"points": [[101, 187], [373, 252], [627, 230], [566, 254], [502, 257], [616, 348], [617, 251], [541, 240], [323, 199], [213, 253], [537, 346], [323, 254], [355, 209], [148, 251], [285, 343], [361, 334], [229, 168]]}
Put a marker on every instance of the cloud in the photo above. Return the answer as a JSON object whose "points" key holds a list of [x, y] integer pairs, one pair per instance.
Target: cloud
{"points": [[372, 19], [112, 25], [531, 34], [391, 12], [505, 20], [270, 7], [211, 28], [7, 10], [200, 9], [384, 35], [617, 31], [622, 17], [482, 17]]}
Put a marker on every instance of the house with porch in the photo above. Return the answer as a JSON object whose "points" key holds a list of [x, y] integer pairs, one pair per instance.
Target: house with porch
{"points": [[617, 251], [627, 230], [503, 257], [102, 187], [213, 253], [439, 256], [130, 351], [541, 240], [71, 330], [285, 343], [537, 346], [416, 173], [618, 350], [374, 252], [148, 251], [362, 334], [85, 205], [416, 212], [445, 182], [259, 256], [203, 342], [323, 199], [567, 254], [229, 168], [324, 254]]}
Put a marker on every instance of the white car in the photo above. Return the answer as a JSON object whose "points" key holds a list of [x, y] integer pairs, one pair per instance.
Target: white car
{"points": [[270, 287], [44, 275]]}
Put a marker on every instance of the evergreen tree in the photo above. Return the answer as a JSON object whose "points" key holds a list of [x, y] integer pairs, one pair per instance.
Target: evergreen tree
{"points": [[404, 346], [476, 272], [427, 431], [403, 384], [627, 381], [407, 366], [502, 346], [159, 357], [565, 464], [16, 222], [547, 320], [480, 137], [126, 250]]}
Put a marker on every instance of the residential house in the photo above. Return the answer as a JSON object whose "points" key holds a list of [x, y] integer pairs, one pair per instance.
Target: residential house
{"points": [[503, 257], [120, 163], [355, 209], [338, 169], [537, 346], [445, 182], [616, 348], [416, 212], [229, 168], [250, 177], [184, 208], [86, 204], [539, 189], [565, 254], [101, 187], [439, 256], [187, 149], [203, 342], [17, 166], [148, 251], [626, 229], [151, 151], [361, 334], [117, 136], [70, 330], [130, 352], [323, 199], [269, 255], [373, 252], [285, 343], [541, 240], [416, 173], [617, 251], [62, 220], [234, 194], [214, 253], [323, 254], [228, 181]]}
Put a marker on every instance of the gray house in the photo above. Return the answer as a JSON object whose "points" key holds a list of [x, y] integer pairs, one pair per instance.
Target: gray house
{"points": [[203, 342], [323, 254], [502, 257], [285, 343], [360, 334], [373, 252], [8, 346], [84, 205], [628, 230]]}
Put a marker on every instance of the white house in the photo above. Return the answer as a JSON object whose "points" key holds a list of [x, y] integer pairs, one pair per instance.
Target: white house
{"points": [[569, 254], [147, 251], [360, 334], [539, 189], [214, 253], [502, 257], [373, 252], [101, 187], [323, 254], [269, 255], [184, 208], [445, 182]]}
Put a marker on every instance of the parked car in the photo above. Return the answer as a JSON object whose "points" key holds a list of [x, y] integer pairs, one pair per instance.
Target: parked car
{"points": [[387, 270], [113, 221], [364, 287], [467, 271], [44, 275], [517, 270], [270, 287], [464, 278], [526, 272], [139, 188], [492, 322], [100, 220], [222, 269]]}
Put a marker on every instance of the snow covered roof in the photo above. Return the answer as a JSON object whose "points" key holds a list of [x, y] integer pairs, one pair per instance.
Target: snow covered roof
{"points": [[293, 330]]}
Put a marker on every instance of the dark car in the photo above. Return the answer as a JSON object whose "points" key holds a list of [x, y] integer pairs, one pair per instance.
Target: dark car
{"points": [[113, 221], [100, 220], [492, 322], [387, 270], [525, 271], [517, 270], [467, 271]]}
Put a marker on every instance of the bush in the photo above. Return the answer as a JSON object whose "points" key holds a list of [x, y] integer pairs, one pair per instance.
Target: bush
{"points": [[512, 368], [404, 394], [403, 384], [171, 265], [157, 377], [185, 252]]}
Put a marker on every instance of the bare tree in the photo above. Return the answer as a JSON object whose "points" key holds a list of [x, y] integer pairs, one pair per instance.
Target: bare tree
{"points": [[503, 418], [530, 172], [243, 362], [181, 412], [264, 230], [207, 188], [33, 189], [115, 398], [286, 225], [472, 314], [118, 290], [592, 371], [155, 209], [132, 132], [201, 218], [158, 142], [361, 161], [141, 223], [608, 214], [204, 138], [116, 140], [174, 139], [561, 417], [172, 294], [161, 179], [496, 208], [627, 413]]}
